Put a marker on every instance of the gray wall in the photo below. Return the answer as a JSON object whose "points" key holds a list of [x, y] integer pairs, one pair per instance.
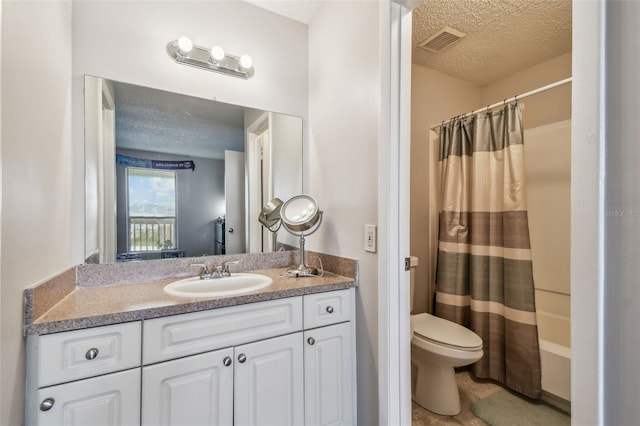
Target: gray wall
{"points": [[622, 213], [200, 201]]}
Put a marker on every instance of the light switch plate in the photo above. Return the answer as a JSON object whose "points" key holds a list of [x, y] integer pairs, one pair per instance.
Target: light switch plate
{"points": [[370, 238]]}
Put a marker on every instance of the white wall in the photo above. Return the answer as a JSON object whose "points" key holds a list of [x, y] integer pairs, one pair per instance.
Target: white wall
{"points": [[37, 179], [345, 86], [544, 108], [125, 41]]}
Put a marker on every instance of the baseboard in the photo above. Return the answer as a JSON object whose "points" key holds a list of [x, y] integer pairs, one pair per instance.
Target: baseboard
{"points": [[556, 401]]}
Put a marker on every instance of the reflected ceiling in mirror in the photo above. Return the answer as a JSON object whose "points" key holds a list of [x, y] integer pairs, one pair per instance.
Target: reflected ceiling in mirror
{"points": [[229, 149], [159, 121]]}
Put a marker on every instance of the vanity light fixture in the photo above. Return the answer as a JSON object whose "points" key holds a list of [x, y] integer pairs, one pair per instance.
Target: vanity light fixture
{"points": [[184, 52]]}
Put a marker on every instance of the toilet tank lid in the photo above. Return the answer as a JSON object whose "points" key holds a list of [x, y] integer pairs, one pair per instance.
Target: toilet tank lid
{"points": [[440, 330]]}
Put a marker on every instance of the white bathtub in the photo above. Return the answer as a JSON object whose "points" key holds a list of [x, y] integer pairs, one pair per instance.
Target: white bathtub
{"points": [[555, 362]]}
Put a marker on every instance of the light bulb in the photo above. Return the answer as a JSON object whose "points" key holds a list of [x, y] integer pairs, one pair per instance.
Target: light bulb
{"points": [[217, 53], [184, 45], [245, 62]]}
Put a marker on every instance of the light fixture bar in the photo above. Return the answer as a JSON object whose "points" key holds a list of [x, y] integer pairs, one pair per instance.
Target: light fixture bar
{"points": [[200, 57]]}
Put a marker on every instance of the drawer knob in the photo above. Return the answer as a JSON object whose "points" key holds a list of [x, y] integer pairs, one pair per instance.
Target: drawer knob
{"points": [[47, 404], [242, 358], [330, 309], [311, 341], [91, 354], [226, 361]]}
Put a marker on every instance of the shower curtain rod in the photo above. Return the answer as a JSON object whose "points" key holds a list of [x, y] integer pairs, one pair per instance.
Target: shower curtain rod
{"points": [[506, 101]]}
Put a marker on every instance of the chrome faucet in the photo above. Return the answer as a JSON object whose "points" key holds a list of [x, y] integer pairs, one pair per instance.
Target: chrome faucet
{"points": [[219, 271]]}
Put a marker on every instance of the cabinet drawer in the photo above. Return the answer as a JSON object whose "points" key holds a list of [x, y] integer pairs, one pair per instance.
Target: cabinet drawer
{"points": [[187, 334], [327, 308], [73, 355]]}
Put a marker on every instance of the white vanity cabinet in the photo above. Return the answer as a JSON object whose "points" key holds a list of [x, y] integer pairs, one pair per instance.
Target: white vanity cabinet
{"points": [[251, 374], [282, 362], [84, 377]]}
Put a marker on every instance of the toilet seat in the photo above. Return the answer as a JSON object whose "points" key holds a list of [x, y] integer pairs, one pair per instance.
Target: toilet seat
{"points": [[446, 333]]}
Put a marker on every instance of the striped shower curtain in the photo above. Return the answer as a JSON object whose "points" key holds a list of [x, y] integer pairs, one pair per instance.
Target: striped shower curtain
{"points": [[484, 275]]}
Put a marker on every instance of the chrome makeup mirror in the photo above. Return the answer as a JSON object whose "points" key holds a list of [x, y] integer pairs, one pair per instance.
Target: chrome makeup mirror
{"points": [[302, 217]]}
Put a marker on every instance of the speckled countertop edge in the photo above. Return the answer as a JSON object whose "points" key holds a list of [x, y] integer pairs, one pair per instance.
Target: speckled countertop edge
{"points": [[104, 303]]}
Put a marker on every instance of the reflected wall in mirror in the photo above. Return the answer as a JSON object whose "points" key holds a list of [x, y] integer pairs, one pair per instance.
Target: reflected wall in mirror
{"points": [[170, 175]]}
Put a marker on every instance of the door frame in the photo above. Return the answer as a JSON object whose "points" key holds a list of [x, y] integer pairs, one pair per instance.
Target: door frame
{"points": [[394, 330]]}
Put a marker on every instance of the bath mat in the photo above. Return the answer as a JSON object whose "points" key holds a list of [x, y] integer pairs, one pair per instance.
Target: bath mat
{"points": [[503, 408]]}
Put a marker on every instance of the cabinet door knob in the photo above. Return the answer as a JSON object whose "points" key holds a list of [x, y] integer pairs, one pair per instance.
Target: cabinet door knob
{"points": [[231, 230], [91, 353], [311, 341], [226, 361], [47, 404], [242, 358], [330, 309]]}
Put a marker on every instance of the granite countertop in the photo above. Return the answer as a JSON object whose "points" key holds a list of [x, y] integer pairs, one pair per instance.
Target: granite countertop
{"points": [[93, 306]]}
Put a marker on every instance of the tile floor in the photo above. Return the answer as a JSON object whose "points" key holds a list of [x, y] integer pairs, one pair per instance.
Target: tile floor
{"points": [[470, 391]]}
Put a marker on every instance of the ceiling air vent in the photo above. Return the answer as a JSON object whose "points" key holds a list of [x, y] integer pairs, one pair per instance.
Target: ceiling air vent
{"points": [[441, 40]]}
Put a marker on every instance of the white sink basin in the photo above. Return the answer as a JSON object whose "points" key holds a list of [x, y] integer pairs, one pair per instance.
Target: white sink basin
{"points": [[238, 283]]}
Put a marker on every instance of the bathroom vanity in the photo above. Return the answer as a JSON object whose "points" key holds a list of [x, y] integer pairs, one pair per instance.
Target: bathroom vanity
{"points": [[283, 355]]}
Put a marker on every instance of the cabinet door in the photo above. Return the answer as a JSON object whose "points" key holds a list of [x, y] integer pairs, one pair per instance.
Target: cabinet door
{"points": [[269, 382], [109, 400], [328, 378], [191, 391]]}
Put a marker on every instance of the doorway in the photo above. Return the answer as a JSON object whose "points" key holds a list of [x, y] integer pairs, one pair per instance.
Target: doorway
{"points": [[444, 87]]}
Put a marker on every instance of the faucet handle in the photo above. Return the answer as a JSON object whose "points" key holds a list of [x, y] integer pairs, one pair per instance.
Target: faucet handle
{"points": [[205, 269], [225, 267]]}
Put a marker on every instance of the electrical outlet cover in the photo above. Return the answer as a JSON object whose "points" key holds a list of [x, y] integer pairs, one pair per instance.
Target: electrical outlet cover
{"points": [[370, 238]]}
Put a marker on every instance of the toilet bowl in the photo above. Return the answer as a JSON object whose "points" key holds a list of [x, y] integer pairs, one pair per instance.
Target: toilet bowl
{"points": [[437, 347]]}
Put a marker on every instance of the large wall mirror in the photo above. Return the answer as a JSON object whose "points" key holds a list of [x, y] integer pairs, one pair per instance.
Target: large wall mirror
{"points": [[169, 175]]}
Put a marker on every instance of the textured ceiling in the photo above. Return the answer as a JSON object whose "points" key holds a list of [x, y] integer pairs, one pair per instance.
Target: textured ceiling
{"points": [[503, 36], [155, 120]]}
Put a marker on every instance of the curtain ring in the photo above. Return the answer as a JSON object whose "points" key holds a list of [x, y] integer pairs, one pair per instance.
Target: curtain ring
{"points": [[516, 99], [504, 103]]}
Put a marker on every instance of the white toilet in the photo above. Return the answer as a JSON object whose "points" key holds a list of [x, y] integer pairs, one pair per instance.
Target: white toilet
{"points": [[437, 346]]}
